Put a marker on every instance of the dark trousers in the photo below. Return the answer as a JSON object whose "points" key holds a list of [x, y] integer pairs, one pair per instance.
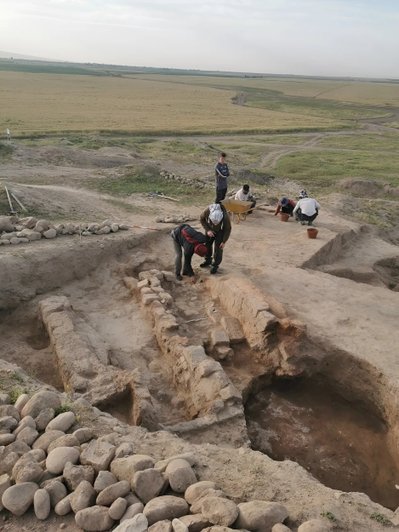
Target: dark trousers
{"points": [[304, 217], [214, 241], [220, 194], [288, 209], [187, 268], [252, 206]]}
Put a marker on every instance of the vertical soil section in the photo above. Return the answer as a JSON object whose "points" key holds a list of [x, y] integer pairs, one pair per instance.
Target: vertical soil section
{"points": [[341, 443]]}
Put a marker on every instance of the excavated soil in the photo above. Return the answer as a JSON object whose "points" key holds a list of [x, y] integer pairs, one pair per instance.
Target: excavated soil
{"points": [[340, 442], [319, 306]]}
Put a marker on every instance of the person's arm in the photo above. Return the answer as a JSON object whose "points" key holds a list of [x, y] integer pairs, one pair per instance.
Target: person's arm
{"points": [[226, 227], [239, 195], [296, 207], [278, 209], [204, 221], [317, 205]]}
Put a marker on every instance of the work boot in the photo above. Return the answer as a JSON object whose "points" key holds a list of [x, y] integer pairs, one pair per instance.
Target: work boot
{"points": [[214, 269], [179, 277], [310, 223], [206, 263], [188, 273]]}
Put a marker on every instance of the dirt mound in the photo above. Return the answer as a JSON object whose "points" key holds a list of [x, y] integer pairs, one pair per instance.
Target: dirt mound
{"points": [[362, 187]]}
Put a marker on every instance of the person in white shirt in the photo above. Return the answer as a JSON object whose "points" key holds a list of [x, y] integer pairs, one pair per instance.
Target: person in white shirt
{"points": [[244, 195], [306, 210]]}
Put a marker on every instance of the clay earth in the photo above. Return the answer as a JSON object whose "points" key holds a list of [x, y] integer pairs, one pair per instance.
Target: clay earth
{"points": [[279, 374]]}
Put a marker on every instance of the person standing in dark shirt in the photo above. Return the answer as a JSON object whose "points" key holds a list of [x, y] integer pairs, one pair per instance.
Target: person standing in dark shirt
{"points": [[216, 222], [221, 175]]}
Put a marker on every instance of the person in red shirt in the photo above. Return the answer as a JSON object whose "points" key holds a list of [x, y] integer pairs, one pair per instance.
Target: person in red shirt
{"points": [[187, 240], [285, 205]]}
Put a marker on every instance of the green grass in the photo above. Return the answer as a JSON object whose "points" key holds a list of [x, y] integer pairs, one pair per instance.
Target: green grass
{"points": [[380, 518], [64, 407], [11, 383], [6, 150], [387, 142], [322, 170], [334, 110], [146, 180], [330, 516]]}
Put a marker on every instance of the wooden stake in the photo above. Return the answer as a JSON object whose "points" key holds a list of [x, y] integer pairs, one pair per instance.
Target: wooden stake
{"points": [[19, 203], [9, 201]]}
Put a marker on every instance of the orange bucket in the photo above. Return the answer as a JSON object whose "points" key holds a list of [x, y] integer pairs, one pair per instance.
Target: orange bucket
{"points": [[284, 217], [312, 232]]}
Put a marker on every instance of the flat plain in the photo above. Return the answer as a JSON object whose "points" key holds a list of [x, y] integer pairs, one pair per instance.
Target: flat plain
{"points": [[320, 133]]}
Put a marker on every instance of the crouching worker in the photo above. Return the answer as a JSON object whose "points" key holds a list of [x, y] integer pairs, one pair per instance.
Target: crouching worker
{"points": [[244, 195], [306, 210], [285, 205], [187, 240], [216, 223]]}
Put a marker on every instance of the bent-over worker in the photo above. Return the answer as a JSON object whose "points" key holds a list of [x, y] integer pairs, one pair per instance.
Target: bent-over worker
{"points": [[217, 225], [187, 240]]}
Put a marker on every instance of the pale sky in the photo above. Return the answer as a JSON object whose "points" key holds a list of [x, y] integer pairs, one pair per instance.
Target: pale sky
{"points": [[309, 37]]}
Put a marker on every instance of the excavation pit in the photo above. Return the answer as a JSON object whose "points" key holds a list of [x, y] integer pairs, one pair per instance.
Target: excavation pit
{"points": [[120, 406], [388, 272], [24, 341], [341, 443]]}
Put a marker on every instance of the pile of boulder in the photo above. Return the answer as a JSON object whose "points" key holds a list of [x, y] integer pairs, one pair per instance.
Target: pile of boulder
{"points": [[194, 182], [176, 219], [14, 230], [48, 461]]}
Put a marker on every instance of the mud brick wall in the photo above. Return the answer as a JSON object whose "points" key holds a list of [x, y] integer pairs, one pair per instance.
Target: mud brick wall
{"points": [[199, 379], [85, 368]]}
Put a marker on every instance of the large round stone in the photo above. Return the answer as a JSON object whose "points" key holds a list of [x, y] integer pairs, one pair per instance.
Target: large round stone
{"points": [[40, 401], [62, 422], [58, 457], [41, 504], [260, 515], [219, 511], [180, 475], [196, 491], [17, 499], [94, 519], [165, 507]]}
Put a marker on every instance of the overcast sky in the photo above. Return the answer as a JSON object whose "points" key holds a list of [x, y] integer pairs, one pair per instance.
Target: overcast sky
{"points": [[311, 37]]}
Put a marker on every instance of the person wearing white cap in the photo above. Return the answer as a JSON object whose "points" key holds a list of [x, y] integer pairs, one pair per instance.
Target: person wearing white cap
{"points": [[217, 225], [306, 210]]}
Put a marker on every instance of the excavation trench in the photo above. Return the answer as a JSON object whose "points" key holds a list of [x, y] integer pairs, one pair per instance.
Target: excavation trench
{"points": [[341, 442], [186, 357]]}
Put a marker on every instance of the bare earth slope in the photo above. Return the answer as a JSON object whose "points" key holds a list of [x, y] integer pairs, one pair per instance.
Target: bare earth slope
{"points": [[331, 284]]}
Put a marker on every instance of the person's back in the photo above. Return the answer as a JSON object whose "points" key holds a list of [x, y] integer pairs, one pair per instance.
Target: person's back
{"points": [[306, 210], [308, 206]]}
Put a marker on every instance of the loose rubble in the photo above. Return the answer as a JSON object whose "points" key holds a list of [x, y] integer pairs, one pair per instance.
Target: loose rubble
{"points": [[103, 484], [14, 230], [197, 183]]}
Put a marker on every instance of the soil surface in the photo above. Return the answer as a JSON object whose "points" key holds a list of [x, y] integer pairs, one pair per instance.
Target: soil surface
{"points": [[340, 443], [333, 284]]}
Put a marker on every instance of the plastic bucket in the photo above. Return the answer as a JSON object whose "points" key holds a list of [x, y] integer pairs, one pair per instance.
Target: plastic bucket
{"points": [[284, 217]]}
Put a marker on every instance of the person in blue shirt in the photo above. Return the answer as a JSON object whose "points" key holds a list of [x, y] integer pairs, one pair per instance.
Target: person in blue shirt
{"points": [[221, 175]]}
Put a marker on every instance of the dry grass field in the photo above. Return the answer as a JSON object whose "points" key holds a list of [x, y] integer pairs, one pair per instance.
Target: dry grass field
{"points": [[317, 133], [38, 103]]}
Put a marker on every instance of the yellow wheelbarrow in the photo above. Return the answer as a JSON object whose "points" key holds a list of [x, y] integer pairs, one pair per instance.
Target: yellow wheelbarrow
{"points": [[237, 209]]}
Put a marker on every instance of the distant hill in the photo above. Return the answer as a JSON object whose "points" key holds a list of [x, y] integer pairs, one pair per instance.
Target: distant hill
{"points": [[11, 55], [28, 63]]}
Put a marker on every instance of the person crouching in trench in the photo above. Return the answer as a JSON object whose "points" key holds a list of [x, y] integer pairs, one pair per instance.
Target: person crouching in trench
{"points": [[187, 241]]}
